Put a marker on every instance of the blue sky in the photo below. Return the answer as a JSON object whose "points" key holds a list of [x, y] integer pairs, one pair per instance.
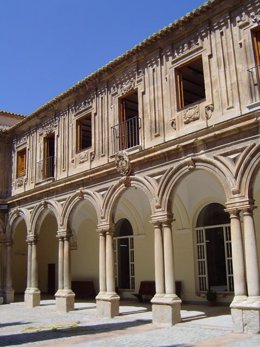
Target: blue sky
{"points": [[49, 45]]}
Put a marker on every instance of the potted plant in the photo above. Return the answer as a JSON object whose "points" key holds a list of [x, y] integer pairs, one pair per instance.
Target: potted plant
{"points": [[211, 296]]}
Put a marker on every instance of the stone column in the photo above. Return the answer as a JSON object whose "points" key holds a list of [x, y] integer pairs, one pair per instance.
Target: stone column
{"points": [[107, 299], [158, 258], [102, 262], [252, 267], [61, 263], [9, 292], [1, 273], [65, 297], [32, 295], [237, 257], [167, 306]]}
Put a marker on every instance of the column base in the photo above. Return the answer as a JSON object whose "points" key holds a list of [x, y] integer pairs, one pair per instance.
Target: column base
{"points": [[166, 309], [8, 296], [246, 315], [64, 300], [32, 297], [1, 300], [107, 304]]}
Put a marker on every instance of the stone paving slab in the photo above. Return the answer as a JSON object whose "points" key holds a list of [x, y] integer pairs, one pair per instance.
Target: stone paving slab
{"points": [[43, 326]]}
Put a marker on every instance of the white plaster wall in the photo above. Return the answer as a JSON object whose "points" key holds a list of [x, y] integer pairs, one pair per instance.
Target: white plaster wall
{"points": [[84, 259], [47, 248], [19, 258]]}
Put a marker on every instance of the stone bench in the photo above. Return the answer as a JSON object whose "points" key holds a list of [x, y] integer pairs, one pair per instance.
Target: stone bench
{"points": [[147, 290], [83, 289]]}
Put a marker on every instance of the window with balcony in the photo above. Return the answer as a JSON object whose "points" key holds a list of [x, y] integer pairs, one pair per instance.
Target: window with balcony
{"points": [[84, 133], [21, 163], [45, 167], [190, 83], [126, 132]]}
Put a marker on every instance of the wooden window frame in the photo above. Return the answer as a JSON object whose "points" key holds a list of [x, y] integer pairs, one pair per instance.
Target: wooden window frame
{"points": [[79, 133], [180, 84], [256, 47], [21, 163]]}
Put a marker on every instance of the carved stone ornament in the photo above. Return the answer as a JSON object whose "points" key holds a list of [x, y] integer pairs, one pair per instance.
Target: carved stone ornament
{"points": [[49, 127], [92, 155], [173, 123], [209, 111], [20, 141], [83, 156], [192, 114], [242, 20], [19, 182], [256, 17], [186, 47], [127, 86], [123, 164]]}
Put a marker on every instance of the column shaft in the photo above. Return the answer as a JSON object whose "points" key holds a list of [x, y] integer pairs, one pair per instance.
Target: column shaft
{"points": [[8, 282], [34, 267], [67, 275], [29, 264], [158, 260], [168, 259], [110, 275], [61, 263], [102, 262], [252, 268], [237, 255]]}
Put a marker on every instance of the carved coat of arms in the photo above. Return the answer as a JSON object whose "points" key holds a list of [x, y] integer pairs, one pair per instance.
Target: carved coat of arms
{"points": [[123, 164]]}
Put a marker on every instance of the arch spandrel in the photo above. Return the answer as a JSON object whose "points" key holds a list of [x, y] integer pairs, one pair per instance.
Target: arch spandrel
{"points": [[14, 215], [145, 184], [38, 213], [93, 198], [173, 176]]}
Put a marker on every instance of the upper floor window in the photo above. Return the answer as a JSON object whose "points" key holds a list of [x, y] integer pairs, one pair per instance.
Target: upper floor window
{"points": [[190, 83], [126, 132], [84, 132], [21, 163], [256, 42]]}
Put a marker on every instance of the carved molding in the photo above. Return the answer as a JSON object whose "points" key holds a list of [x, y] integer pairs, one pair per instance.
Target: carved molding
{"points": [[20, 182], [123, 164], [187, 46], [209, 109], [255, 16], [173, 124], [191, 115], [49, 127]]}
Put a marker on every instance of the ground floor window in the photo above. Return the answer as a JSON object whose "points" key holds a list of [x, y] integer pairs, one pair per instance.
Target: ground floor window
{"points": [[124, 255], [214, 253]]}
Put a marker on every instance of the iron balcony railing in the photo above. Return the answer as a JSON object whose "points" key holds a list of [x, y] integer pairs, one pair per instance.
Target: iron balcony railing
{"points": [[126, 134], [45, 168], [254, 77]]}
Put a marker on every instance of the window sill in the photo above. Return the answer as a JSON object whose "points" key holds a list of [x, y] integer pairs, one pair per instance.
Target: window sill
{"points": [[45, 181]]}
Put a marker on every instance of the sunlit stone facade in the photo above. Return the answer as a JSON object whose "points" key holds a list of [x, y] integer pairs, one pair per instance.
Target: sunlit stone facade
{"points": [[146, 170]]}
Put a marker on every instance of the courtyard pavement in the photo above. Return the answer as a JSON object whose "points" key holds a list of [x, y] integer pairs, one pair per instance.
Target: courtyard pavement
{"points": [[42, 326]]}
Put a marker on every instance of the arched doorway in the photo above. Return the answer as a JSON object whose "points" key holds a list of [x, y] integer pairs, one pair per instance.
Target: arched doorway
{"points": [[213, 246], [124, 255]]}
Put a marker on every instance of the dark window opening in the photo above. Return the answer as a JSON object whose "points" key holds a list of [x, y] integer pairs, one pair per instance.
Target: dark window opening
{"points": [[48, 161], [21, 163], [190, 83], [124, 254], [84, 133], [128, 128]]}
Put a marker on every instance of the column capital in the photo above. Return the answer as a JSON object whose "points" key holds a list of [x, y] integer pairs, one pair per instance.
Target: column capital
{"points": [[63, 233], [32, 238], [161, 218], [105, 228], [241, 205]]}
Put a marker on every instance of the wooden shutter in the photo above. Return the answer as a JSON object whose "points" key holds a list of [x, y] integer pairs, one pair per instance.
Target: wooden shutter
{"points": [[180, 96], [256, 42], [21, 163]]}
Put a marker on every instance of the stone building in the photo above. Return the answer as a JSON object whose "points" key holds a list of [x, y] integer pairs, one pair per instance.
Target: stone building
{"points": [[146, 170]]}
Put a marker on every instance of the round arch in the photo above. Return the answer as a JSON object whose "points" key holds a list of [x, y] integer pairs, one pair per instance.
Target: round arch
{"points": [[173, 176], [145, 184], [14, 216], [72, 202], [39, 212]]}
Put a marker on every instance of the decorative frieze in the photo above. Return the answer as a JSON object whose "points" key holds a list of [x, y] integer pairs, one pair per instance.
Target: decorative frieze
{"points": [[191, 114], [185, 47], [49, 127]]}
